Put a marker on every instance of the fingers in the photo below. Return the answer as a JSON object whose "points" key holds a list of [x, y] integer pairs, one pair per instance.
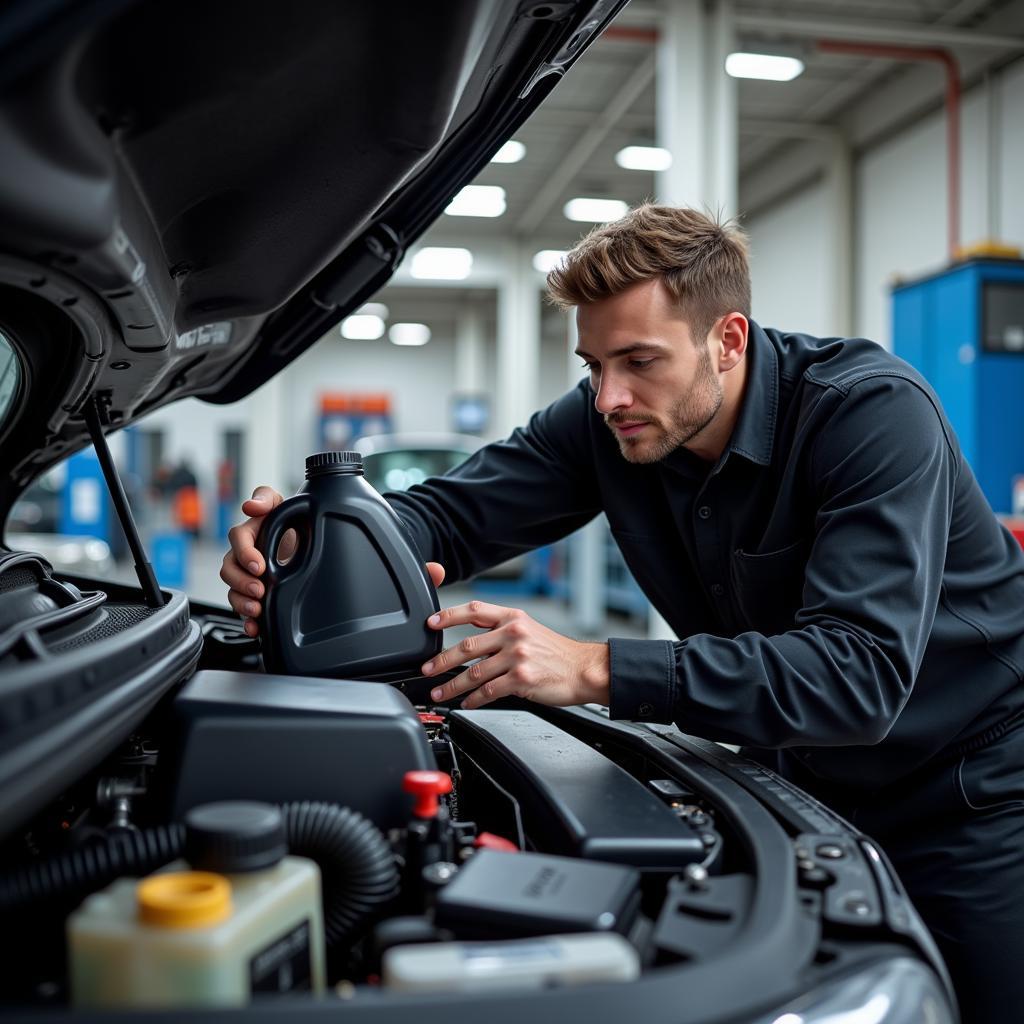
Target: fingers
{"points": [[475, 613], [243, 563], [238, 579], [243, 546], [436, 573], [243, 536], [244, 606], [262, 501], [502, 686], [482, 645], [484, 681]]}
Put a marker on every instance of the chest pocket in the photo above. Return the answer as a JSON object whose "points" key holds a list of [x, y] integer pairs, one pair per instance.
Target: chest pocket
{"points": [[769, 586]]}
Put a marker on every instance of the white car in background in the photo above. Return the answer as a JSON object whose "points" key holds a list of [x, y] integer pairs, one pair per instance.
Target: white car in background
{"points": [[396, 462]]}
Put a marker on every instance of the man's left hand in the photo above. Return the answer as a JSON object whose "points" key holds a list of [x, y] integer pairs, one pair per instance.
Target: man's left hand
{"points": [[521, 658]]}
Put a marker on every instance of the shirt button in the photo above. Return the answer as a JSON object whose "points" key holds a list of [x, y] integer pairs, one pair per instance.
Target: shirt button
{"points": [[717, 589], [704, 512]]}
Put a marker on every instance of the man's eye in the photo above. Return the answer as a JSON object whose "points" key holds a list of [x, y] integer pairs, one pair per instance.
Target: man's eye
{"points": [[590, 367], [640, 364]]}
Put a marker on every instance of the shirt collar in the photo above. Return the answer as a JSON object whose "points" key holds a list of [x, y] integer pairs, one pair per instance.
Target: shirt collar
{"points": [[754, 434]]}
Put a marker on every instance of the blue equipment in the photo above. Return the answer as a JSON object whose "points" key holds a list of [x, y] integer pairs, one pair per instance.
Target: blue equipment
{"points": [[963, 328]]}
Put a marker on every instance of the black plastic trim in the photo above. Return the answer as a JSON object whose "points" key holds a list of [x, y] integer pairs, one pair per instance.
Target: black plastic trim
{"points": [[60, 716]]}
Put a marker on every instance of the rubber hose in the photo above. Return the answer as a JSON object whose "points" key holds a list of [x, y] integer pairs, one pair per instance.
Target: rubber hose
{"points": [[359, 873], [92, 866]]}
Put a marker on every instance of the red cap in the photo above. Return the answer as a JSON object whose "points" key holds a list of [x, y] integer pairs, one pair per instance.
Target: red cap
{"points": [[489, 841], [429, 718], [426, 787]]}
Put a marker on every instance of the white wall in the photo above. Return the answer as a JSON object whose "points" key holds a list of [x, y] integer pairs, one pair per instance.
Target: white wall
{"points": [[1011, 145], [789, 265], [900, 228], [419, 381]]}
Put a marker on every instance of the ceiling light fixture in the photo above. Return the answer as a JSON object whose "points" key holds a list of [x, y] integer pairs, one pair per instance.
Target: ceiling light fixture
{"points": [[409, 334], [511, 153], [547, 259], [766, 66], [362, 327], [478, 201], [440, 263], [644, 158], [595, 211]]}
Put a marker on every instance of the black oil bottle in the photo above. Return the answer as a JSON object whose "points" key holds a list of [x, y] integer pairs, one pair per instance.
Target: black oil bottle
{"points": [[353, 600]]}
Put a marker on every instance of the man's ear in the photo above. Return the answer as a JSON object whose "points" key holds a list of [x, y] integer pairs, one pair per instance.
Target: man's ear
{"points": [[732, 332]]}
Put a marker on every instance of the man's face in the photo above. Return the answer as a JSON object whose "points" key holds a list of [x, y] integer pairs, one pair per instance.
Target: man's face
{"points": [[654, 387]]}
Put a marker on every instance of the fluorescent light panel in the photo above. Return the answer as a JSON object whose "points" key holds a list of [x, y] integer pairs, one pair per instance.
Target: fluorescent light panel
{"points": [[644, 158], [440, 263], [595, 211], [409, 334], [362, 327], [478, 201], [547, 259], [766, 66], [511, 153]]}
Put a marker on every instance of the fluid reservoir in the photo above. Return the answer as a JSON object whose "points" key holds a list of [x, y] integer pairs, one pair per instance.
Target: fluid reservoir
{"points": [[236, 919]]}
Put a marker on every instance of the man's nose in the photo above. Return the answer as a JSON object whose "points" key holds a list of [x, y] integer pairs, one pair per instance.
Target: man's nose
{"points": [[612, 396]]}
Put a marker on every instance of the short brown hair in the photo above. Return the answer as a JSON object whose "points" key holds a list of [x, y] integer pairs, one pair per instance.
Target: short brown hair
{"points": [[704, 263]]}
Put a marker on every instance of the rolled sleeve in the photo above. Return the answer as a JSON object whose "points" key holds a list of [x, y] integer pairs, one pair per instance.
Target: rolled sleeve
{"points": [[643, 674]]}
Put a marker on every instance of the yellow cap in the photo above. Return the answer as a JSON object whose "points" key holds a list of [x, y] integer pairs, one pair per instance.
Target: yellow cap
{"points": [[184, 899], [988, 247]]}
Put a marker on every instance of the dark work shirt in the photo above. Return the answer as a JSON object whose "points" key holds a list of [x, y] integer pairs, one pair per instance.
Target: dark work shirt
{"points": [[840, 584]]}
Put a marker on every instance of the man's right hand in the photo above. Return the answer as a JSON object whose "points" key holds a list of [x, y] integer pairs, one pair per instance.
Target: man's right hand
{"points": [[243, 564]]}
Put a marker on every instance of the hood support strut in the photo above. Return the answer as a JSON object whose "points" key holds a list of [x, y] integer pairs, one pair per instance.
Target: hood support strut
{"points": [[94, 412]]}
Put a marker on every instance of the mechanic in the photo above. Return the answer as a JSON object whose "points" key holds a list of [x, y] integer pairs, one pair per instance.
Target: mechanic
{"points": [[799, 511]]}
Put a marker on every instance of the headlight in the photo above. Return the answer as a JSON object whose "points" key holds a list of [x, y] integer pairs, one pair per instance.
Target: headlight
{"points": [[897, 991]]}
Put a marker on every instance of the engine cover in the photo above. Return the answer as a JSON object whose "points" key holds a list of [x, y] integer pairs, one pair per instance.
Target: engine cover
{"points": [[249, 736]]}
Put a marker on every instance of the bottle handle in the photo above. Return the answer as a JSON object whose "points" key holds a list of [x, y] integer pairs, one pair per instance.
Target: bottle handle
{"points": [[293, 512]]}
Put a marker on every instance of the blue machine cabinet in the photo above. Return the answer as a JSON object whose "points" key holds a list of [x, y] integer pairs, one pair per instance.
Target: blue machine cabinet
{"points": [[963, 329]]}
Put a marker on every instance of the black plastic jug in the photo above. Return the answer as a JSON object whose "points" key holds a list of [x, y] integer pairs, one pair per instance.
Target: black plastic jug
{"points": [[353, 600]]}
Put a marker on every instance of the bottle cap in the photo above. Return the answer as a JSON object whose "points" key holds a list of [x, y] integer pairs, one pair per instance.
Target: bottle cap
{"points": [[333, 462], [184, 899], [235, 836]]}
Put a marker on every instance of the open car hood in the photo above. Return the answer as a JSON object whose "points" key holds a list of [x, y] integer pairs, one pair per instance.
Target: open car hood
{"points": [[192, 193]]}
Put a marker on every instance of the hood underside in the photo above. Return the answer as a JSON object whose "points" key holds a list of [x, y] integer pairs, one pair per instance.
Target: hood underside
{"points": [[191, 194]]}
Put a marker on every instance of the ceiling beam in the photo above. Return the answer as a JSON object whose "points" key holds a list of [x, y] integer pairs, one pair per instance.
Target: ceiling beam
{"points": [[583, 148], [875, 31]]}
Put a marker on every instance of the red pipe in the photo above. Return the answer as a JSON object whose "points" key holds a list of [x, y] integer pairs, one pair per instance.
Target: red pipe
{"points": [[948, 61], [624, 33]]}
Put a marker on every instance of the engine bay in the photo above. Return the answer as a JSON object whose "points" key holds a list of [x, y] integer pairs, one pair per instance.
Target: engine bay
{"points": [[508, 852]]}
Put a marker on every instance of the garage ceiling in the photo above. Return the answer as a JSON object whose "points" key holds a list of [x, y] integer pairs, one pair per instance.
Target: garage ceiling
{"points": [[830, 90]]}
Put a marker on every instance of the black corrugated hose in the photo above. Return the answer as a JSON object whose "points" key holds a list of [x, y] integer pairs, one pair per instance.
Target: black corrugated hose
{"points": [[359, 873], [363, 876]]}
